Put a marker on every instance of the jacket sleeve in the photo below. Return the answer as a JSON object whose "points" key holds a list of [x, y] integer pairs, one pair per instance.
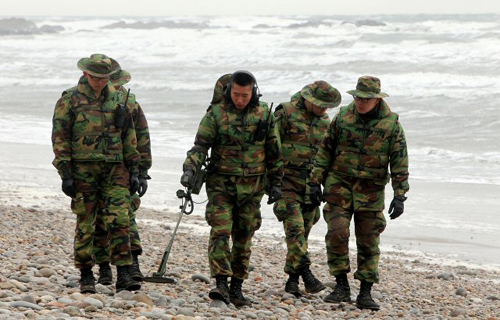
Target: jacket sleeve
{"points": [[398, 161], [324, 157], [143, 141], [274, 161], [130, 153], [204, 140], [62, 126]]}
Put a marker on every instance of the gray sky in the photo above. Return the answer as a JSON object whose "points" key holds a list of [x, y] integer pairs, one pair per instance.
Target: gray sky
{"points": [[239, 7]]}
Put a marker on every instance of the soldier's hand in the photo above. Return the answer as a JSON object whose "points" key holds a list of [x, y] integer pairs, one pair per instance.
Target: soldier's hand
{"points": [[134, 183], [397, 207], [315, 194], [187, 178], [68, 187], [274, 194], [143, 186]]}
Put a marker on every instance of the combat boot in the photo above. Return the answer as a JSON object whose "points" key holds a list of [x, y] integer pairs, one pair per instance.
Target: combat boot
{"points": [[364, 299], [342, 291], [135, 270], [125, 281], [105, 274], [235, 294], [312, 284], [221, 290], [292, 284], [87, 281]]}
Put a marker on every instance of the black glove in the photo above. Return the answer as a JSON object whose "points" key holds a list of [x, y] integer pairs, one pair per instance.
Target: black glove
{"points": [[134, 183], [397, 207], [274, 194], [68, 187], [187, 178], [315, 194], [143, 186]]}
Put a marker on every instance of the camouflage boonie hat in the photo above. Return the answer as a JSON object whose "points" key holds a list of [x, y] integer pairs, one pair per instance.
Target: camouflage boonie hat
{"points": [[368, 87], [120, 78], [98, 65], [219, 88], [321, 94]]}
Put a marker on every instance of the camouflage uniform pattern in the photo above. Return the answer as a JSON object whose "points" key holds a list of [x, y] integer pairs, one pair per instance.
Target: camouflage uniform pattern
{"points": [[301, 133], [235, 180], [353, 164], [98, 156], [101, 241]]}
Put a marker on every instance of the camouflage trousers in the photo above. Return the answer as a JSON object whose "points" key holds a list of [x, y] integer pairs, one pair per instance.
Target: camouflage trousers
{"points": [[233, 211], [298, 220], [101, 238], [364, 199], [109, 183]]}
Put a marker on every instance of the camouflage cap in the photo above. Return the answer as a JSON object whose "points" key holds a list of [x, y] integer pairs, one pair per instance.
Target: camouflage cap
{"points": [[98, 65], [368, 87], [220, 85], [321, 94], [120, 78]]}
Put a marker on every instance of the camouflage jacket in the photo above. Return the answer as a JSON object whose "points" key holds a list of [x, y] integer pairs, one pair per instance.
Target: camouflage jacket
{"points": [[365, 150], [83, 129], [231, 135], [141, 131], [301, 134]]}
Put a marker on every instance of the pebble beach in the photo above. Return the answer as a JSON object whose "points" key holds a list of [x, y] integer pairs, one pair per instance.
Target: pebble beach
{"points": [[39, 281]]}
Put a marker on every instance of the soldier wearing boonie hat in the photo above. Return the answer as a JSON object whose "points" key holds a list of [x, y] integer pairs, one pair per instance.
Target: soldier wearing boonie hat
{"points": [[302, 123], [364, 139], [95, 156], [101, 243]]}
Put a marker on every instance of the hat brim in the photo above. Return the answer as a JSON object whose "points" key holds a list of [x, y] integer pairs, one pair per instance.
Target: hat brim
{"points": [[369, 95], [83, 64], [306, 94], [120, 78]]}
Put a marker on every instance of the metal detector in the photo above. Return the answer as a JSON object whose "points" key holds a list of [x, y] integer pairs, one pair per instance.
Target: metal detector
{"points": [[187, 201]]}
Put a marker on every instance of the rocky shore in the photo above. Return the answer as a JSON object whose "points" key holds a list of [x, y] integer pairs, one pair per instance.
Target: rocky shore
{"points": [[38, 279]]}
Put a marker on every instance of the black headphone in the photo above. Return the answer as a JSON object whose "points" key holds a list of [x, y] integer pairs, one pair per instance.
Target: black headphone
{"points": [[255, 90]]}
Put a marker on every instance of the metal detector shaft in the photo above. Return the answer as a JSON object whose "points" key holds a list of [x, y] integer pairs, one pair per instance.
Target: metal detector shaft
{"points": [[187, 202]]}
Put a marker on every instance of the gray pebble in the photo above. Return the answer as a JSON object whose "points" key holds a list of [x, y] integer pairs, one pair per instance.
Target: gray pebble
{"points": [[492, 298], [446, 276], [5, 311], [18, 285], [377, 295], [218, 304], [186, 311], [73, 278], [47, 272], [118, 304], [250, 315], [458, 312], [288, 296], [124, 294], [280, 310], [461, 292], [103, 289], [72, 311], [178, 302], [94, 302], [65, 300], [476, 300], [24, 304], [29, 298], [72, 284], [201, 278]]}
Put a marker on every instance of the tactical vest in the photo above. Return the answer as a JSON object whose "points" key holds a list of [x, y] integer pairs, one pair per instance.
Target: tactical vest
{"points": [[362, 150], [303, 136], [94, 135], [235, 151]]}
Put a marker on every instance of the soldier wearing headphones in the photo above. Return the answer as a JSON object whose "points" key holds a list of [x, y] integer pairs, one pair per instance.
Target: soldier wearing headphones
{"points": [[245, 151]]}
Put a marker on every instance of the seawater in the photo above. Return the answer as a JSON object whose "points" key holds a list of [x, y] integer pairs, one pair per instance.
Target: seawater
{"points": [[441, 72]]}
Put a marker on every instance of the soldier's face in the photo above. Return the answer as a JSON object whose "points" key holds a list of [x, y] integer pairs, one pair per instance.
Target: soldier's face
{"points": [[96, 83], [314, 108], [366, 106], [241, 95]]}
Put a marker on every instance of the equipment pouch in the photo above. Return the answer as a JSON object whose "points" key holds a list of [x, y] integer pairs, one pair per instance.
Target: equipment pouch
{"points": [[120, 115], [199, 179]]}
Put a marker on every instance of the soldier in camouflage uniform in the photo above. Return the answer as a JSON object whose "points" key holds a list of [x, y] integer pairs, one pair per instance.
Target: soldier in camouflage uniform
{"points": [[101, 240], [364, 140], [94, 143], [302, 124], [241, 132]]}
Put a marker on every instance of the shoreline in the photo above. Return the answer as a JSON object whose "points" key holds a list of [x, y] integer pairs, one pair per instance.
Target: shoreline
{"points": [[36, 265]]}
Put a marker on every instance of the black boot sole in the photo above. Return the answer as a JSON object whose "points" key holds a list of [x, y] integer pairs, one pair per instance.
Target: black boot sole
{"points": [[369, 308], [316, 290], [88, 290], [297, 294], [215, 294]]}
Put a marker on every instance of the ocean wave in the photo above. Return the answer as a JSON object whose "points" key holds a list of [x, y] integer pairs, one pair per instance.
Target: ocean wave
{"points": [[456, 156]]}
